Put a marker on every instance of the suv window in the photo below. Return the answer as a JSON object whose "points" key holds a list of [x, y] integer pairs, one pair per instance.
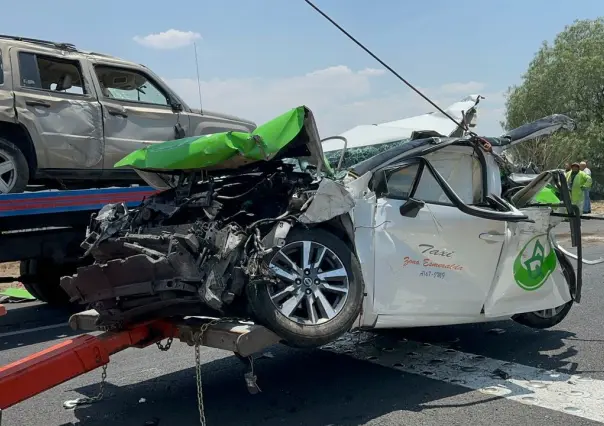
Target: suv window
{"points": [[48, 73], [131, 86]]}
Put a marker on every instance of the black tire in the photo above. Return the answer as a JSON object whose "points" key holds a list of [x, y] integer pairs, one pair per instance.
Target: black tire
{"points": [[306, 335], [42, 279], [11, 151], [533, 319]]}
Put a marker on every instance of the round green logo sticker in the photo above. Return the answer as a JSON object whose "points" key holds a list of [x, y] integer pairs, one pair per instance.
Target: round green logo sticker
{"points": [[535, 263]]}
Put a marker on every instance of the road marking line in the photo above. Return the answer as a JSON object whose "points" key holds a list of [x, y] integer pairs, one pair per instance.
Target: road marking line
{"points": [[569, 394], [32, 330]]}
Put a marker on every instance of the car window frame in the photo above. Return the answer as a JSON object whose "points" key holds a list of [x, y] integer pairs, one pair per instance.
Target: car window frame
{"points": [[87, 92], [148, 77], [415, 184], [409, 161], [392, 170], [511, 214], [423, 169]]}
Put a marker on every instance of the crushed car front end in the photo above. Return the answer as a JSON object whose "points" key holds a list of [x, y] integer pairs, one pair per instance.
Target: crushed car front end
{"points": [[247, 231]]}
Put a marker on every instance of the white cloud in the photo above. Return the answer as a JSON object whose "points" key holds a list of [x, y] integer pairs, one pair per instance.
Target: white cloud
{"points": [[470, 87], [171, 39], [372, 72], [339, 97]]}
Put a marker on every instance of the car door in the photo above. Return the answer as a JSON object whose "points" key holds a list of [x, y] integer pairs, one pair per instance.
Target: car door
{"points": [[433, 261], [530, 275], [56, 101], [137, 111]]}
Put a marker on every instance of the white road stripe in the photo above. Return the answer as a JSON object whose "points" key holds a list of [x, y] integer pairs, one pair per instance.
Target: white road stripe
{"points": [[574, 395], [32, 330]]}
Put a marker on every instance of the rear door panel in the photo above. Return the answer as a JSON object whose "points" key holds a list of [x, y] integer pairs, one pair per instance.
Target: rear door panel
{"points": [[529, 277]]}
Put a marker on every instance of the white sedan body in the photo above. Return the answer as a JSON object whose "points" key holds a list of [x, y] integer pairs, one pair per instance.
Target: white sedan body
{"points": [[443, 266]]}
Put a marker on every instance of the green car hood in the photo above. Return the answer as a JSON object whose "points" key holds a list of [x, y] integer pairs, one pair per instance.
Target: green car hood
{"points": [[293, 134]]}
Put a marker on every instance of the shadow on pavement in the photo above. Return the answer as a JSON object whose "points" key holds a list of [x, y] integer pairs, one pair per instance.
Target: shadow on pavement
{"points": [[315, 387], [21, 318], [503, 340]]}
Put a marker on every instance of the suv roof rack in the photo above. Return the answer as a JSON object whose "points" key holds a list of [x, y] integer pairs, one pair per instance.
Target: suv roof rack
{"points": [[63, 46], [98, 54]]}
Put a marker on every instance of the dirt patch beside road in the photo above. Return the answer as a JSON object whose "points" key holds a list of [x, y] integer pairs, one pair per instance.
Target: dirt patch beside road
{"points": [[597, 207], [9, 269]]}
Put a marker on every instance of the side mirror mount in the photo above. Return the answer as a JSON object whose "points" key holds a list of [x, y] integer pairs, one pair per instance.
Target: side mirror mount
{"points": [[176, 106], [411, 208]]}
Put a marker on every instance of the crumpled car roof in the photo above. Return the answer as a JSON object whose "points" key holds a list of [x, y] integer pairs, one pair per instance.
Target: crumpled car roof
{"points": [[529, 131], [542, 127]]}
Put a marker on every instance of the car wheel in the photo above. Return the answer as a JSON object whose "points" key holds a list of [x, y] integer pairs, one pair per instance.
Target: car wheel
{"points": [[550, 317], [42, 280], [317, 292], [14, 171], [544, 319]]}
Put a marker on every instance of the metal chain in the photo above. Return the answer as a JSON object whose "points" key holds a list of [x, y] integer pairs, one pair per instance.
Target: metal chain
{"points": [[89, 400], [200, 407], [165, 347], [198, 341]]}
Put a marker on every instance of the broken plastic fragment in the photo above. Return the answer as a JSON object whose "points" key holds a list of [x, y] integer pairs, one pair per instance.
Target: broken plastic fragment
{"points": [[331, 200], [250, 382]]}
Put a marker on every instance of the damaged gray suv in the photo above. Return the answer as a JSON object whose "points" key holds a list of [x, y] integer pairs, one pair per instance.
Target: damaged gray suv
{"points": [[67, 116]]}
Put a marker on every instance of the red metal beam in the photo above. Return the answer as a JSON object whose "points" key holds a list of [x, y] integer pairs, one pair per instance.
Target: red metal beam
{"points": [[48, 368]]}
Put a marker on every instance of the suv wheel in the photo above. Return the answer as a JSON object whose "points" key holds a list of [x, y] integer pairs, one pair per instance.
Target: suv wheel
{"points": [[14, 171], [42, 277]]}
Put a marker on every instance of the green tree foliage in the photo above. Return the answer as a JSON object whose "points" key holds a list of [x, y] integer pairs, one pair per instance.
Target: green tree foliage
{"points": [[565, 77]]}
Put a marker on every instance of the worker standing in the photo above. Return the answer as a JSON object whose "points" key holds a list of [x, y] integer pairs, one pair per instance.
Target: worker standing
{"points": [[578, 182], [587, 201]]}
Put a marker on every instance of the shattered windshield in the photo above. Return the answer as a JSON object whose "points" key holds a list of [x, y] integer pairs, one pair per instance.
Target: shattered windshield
{"points": [[356, 155]]}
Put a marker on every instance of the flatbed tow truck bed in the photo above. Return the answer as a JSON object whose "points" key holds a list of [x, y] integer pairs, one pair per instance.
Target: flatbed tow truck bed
{"points": [[42, 209], [49, 224], [45, 229], [57, 364]]}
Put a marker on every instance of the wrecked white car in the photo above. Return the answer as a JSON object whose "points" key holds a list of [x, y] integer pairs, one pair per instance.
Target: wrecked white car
{"points": [[259, 226]]}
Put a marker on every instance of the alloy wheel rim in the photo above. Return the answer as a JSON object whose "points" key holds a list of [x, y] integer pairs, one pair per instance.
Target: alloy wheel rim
{"points": [[549, 313], [312, 285], [8, 173]]}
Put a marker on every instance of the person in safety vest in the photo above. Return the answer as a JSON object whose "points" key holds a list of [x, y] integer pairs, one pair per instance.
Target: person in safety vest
{"points": [[578, 181]]}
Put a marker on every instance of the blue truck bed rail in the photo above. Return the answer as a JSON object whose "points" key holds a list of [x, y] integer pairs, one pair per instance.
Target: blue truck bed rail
{"points": [[57, 202], [52, 224]]}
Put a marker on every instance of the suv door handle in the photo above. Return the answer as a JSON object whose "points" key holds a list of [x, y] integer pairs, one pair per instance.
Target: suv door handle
{"points": [[492, 236], [117, 112], [38, 103]]}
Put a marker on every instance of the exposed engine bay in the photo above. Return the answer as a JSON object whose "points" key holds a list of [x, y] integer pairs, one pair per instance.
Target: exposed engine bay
{"points": [[197, 242]]}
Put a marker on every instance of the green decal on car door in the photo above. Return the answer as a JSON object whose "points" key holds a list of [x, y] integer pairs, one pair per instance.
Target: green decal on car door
{"points": [[534, 263]]}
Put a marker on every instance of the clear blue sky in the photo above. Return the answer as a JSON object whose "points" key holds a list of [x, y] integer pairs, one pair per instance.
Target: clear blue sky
{"points": [[260, 42]]}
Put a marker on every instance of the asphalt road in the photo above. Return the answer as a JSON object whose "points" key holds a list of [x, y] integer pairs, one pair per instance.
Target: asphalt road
{"points": [[338, 385]]}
